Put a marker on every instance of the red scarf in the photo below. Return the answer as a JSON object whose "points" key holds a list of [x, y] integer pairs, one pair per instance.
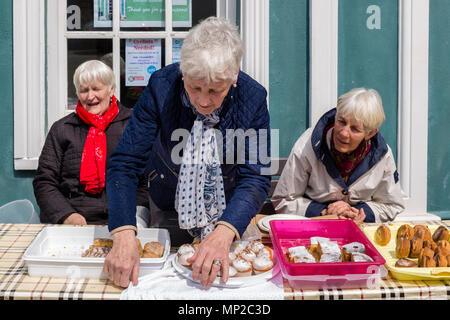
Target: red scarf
{"points": [[346, 163], [93, 160]]}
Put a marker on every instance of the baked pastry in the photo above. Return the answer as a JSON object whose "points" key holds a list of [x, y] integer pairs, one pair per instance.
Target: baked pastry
{"points": [[402, 247], [243, 267], [231, 272], [383, 235], [440, 259], [422, 231], [442, 250], [426, 258], [314, 250], [360, 257], [317, 240], [440, 233], [430, 244], [185, 252], [350, 248], [103, 242], [153, 249], [262, 264], [266, 252], [248, 255], [255, 246], [354, 247], [416, 247], [443, 244], [329, 252], [405, 231], [300, 254], [405, 263], [96, 252]]}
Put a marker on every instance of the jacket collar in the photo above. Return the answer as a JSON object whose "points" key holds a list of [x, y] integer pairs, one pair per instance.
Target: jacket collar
{"points": [[124, 113], [319, 144]]}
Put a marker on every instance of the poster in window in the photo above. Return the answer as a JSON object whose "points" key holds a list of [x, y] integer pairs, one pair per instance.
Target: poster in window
{"points": [[142, 13], [142, 57], [102, 13], [176, 50]]}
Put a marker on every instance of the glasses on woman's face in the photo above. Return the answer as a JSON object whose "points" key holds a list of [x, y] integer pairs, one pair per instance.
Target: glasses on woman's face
{"points": [[206, 97]]}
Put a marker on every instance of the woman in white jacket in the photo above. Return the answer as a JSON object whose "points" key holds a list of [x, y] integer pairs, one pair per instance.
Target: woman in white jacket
{"points": [[343, 166]]}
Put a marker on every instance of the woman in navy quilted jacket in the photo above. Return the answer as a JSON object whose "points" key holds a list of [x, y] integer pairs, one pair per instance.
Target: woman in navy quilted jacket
{"points": [[200, 133]]}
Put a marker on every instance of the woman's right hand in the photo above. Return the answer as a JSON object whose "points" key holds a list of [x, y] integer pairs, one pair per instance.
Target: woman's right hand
{"points": [[122, 263], [75, 219]]}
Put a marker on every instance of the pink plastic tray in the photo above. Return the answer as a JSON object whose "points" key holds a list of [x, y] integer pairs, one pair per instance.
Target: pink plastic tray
{"points": [[290, 233]]}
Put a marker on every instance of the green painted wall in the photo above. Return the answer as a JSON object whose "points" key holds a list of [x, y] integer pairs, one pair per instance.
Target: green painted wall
{"points": [[13, 184], [369, 57], [439, 110], [289, 71]]}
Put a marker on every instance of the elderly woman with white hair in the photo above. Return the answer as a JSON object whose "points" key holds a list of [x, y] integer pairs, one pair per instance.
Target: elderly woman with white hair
{"points": [[179, 136], [343, 166], [69, 184]]}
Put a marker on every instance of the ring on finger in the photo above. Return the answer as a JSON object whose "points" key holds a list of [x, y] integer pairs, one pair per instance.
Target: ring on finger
{"points": [[217, 262]]}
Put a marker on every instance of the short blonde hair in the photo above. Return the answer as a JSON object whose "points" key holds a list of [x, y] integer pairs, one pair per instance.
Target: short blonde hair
{"points": [[92, 71], [212, 51], [364, 105]]}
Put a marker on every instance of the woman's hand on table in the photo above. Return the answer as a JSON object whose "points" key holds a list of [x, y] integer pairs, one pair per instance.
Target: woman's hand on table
{"points": [[216, 246], [122, 263], [75, 219]]}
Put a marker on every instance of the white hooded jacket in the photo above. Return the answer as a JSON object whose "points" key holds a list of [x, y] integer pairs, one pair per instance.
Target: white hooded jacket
{"points": [[310, 179]]}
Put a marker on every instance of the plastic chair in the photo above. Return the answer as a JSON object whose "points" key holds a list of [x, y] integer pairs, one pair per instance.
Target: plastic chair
{"points": [[19, 211]]}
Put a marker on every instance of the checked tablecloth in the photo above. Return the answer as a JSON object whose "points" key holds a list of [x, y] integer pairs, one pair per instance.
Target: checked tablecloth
{"points": [[16, 284]]}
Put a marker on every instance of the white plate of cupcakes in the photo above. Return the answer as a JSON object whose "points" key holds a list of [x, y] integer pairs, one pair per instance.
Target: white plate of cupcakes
{"points": [[251, 262]]}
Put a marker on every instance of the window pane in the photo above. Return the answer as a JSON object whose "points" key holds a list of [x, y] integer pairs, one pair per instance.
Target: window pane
{"points": [[79, 51], [138, 15], [201, 9], [89, 15], [139, 58]]}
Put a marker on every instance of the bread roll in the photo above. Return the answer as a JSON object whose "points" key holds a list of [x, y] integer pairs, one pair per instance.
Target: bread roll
{"points": [[422, 231], [402, 247], [103, 242], [440, 233], [383, 235], [405, 231], [416, 247], [153, 249]]}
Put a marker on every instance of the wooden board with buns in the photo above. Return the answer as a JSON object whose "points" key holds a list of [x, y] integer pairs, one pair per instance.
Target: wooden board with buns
{"points": [[413, 251]]}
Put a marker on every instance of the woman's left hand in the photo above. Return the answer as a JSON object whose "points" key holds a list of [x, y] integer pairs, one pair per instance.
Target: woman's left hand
{"points": [[216, 246]]}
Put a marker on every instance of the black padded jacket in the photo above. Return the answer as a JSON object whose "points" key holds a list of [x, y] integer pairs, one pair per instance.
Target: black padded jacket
{"points": [[57, 186]]}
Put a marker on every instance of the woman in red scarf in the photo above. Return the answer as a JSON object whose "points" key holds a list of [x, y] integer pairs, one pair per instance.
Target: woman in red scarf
{"points": [[70, 181], [342, 166]]}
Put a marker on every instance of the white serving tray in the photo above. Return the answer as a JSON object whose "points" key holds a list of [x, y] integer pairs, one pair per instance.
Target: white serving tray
{"points": [[56, 251]]}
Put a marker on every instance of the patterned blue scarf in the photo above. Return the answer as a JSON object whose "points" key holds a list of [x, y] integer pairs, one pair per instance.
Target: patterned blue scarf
{"points": [[200, 196]]}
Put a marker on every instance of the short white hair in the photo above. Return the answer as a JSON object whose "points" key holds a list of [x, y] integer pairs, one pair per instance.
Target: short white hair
{"points": [[212, 51], [364, 105], [92, 71]]}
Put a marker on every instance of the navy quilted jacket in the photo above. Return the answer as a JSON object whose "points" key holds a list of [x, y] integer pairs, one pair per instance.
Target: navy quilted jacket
{"points": [[146, 147]]}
